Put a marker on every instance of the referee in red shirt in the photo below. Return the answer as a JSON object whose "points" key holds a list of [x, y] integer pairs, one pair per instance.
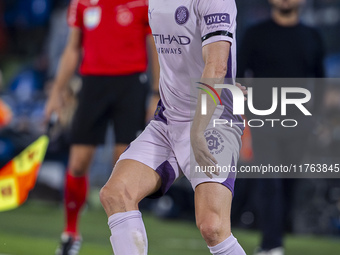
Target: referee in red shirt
{"points": [[111, 38]]}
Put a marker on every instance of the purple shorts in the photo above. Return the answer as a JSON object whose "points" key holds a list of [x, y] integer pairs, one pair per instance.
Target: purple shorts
{"points": [[166, 148]]}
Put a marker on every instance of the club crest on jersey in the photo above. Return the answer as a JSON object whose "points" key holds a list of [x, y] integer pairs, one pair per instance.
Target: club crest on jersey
{"points": [[181, 15], [92, 17], [215, 141], [124, 16]]}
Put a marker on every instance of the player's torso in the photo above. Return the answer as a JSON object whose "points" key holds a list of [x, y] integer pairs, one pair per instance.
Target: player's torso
{"points": [[176, 27], [177, 36]]}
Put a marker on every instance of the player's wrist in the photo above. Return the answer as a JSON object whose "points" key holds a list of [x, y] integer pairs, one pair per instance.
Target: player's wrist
{"points": [[196, 132]]}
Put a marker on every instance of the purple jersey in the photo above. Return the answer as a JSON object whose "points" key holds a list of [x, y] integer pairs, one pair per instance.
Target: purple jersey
{"points": [[180, 29]]}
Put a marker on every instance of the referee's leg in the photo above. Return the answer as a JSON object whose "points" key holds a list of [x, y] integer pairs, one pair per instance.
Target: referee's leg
{"points": [[76, 185], [87, 130], [81, 156]]}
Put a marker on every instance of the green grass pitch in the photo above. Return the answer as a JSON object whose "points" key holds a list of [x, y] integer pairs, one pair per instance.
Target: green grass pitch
{"points": [[34, 229]]}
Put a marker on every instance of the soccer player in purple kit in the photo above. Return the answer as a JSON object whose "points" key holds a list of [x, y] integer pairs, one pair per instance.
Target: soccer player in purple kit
{"points": [[195, 39]]}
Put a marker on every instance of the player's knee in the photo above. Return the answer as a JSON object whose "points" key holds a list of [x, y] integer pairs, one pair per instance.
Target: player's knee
{"points": [[114, 196], [110, 196], [104, 196], [211, 230]]}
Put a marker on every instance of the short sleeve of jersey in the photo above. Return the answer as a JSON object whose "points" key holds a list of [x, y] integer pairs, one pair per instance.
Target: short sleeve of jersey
{"points": [[75, 16], [217, 20]]}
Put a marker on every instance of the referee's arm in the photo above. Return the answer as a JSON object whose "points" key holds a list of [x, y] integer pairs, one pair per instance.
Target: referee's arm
{"points": [[67, 66]]}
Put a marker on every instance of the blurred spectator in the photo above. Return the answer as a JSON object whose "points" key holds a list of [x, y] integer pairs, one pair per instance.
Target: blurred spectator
{"points": [[281, 47], [3, 37], [24, 98], [111, 39], [5, 114], [1, 81], [26, 21], [333, 65], [27, 13], [57, 37]]}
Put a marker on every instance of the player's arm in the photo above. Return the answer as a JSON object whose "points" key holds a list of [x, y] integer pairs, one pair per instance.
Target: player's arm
{"points": [[67, 66], [215, 56], [153, 55], [154, 63]]}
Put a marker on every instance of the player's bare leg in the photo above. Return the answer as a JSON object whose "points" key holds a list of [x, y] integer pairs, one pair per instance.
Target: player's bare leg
{"points": [[118, 150], [129, 183], [212, 208]]}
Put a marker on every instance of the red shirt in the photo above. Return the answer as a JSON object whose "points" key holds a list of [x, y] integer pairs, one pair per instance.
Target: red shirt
{"points": [[113, 35]]}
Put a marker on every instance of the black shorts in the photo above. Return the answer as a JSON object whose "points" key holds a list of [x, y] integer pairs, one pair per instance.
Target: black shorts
{"points": [[104, 99]]}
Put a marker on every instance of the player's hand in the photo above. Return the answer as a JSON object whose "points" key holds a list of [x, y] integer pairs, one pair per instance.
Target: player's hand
{"points": [[202, 154], [151, 108], [244, 90], [54, 104]]}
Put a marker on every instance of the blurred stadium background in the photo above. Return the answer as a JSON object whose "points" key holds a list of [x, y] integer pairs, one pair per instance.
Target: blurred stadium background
{"points": [[32, 36]]}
